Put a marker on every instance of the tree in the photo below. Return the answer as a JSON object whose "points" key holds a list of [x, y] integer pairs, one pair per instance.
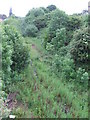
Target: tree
{"points": [[79, 46], [58, 21], [30, 30], [60, 39], [74, 22], [40, 22], [51, 7], [35, 12]]}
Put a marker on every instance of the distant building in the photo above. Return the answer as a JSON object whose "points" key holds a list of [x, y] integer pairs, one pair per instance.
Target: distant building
{"points": [[84, 12], [2, 17]]}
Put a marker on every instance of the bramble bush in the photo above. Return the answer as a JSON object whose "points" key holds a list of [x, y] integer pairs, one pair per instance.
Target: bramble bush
{"points": [[40, 22], [79, 46], [14, 22], [35, 12], [7, 50], [30, 30], [4, 111], [60, 39], [64, 67], [34, 21], [58, 21], [15, 55], [82, 77]]}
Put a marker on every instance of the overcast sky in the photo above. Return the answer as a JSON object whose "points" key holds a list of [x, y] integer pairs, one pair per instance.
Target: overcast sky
{"points": [[21, 7]]}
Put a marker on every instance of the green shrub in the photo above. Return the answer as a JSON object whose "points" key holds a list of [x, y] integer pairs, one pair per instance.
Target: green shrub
{"points": [[35, 12], [74, 22], [58, 21], [20, 57], [4, 111], [40, 22], [34, 21], [60, 39], [14, 22], [50, 47], [82, 77], [31, 30], [64, 66], [51, 7], [15, 55], [7, 50], [79, 47]]}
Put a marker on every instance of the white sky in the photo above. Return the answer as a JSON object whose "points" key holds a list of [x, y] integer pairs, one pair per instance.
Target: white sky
{"points": [[21, 7]]}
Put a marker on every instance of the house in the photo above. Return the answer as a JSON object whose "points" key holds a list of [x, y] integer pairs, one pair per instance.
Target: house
{"points": [[2, 17]]}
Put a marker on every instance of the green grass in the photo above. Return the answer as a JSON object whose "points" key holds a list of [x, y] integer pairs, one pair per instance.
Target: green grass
{"points": [[47, 95]]}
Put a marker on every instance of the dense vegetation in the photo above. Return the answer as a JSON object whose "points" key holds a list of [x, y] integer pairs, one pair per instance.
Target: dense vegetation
{"points": [[45, 61]]}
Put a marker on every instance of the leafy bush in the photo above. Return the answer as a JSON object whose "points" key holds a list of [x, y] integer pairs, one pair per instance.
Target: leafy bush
{"points": [[60, 39], [64, 67], [15, 55], [34, 21], [30, 30], [40, 22], [20, 57], [51, 7], [58, 44], [80, 45], [50, 48], [74, 22], [14, 22], [7, 50], [35, 12], [82, 77], [59, 20], [4, 111]]}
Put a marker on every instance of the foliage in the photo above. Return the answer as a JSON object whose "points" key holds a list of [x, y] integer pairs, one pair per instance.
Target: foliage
{"points": [[7, 50], [15, 55], [20, 57], [45, 9], [58, 21], [49, 94], [30, 30], [51, 7], [74, 22], [14, 22], [50, 47], [54, 84], [20, 53], [80, 45], [40, 22], [35, 12], [60, 39], [64, 66], [85, 20], [34, 21], [82, 77], [4, 111]]}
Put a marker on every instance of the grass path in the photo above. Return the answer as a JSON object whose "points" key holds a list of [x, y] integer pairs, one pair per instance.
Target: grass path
{"points": [[44, 93]]}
